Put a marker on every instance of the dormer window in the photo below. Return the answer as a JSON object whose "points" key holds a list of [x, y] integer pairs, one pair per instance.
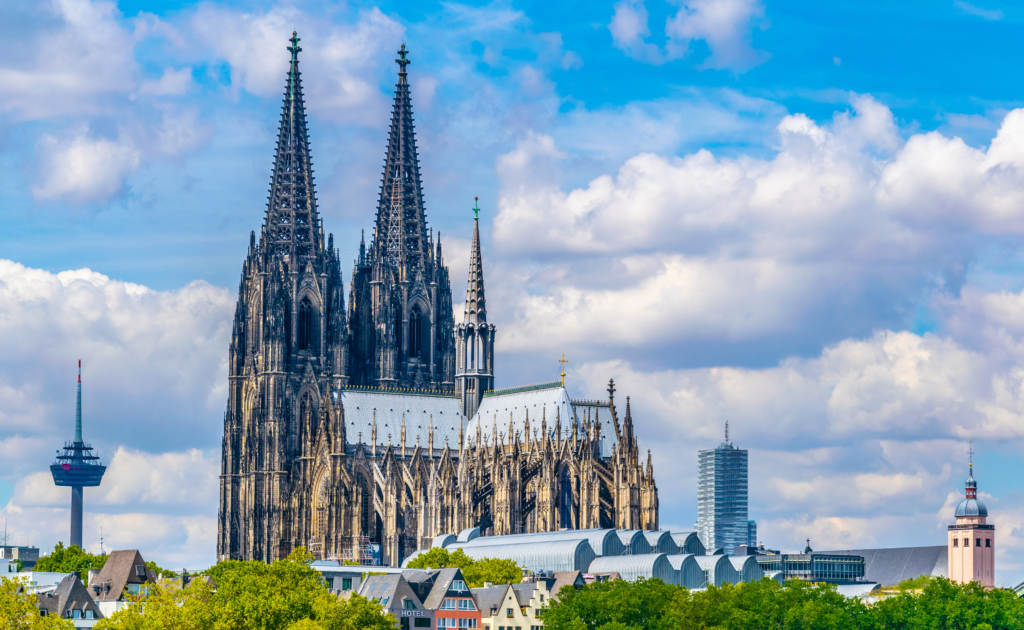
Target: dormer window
{"points": [[408, 604], [140, 570]]}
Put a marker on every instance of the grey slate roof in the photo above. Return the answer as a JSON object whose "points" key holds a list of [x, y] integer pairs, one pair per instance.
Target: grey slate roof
{"points": [[117, 572], [438, 580], [551, 400], [393, 587], [889, 567], [66, 596], [566, 578], [490, 598], [361, 406]]}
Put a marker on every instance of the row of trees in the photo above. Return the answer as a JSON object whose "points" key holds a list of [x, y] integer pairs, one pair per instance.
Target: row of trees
{"points": [[475, 572], [654, 605], [74, 558]]}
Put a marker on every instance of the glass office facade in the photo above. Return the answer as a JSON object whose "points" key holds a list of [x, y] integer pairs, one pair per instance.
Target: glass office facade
{"points": [[722, 498], [814, 567]]}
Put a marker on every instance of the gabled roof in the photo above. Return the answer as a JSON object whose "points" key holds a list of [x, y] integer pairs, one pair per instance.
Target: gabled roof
{"points": [[389, 590], [118, 572], [567, 578], [490, 598], [437, 580], [68, 595]]}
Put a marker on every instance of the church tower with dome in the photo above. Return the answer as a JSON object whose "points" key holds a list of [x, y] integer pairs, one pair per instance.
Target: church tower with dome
{"points": [[972, 541]]}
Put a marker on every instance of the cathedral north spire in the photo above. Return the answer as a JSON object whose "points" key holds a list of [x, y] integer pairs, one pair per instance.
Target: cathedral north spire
{"points": [[292, 225], [401, 232]]}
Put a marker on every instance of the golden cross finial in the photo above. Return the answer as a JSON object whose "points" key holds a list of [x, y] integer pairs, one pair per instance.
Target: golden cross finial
{"points": [[563, 362]]}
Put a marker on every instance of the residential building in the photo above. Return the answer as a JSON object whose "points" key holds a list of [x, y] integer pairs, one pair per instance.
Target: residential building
{"points": [[393, 592], [68, 599], [444, 592], [28, 556], [722, 497], [340, 577], [375, 412], [121, 580], [972, 540], [522, 606]]}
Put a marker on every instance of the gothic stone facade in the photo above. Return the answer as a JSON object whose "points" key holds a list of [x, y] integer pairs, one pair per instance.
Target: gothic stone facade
{"points": [[316, 384]]}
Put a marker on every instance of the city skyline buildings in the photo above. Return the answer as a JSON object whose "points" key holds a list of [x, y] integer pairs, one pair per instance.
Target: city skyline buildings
{"points": [[722, 497], [144, 247]]}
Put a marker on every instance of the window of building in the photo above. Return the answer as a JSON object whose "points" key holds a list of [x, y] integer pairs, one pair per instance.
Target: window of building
{"points": [[329, 583], [384, 601], [408, 604], [140, 570], [467, 623], [77, 614], [42, 612], [346, 584], [421, 622], [509, 613], [458, 585], [88, 614], [305, 337], [977, 542], [448, 603], [444, 622], [466, 604], [967, 542], [956, 542], [988, 542]]}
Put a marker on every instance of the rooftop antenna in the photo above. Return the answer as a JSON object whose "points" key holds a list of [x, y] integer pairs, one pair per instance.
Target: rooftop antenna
{"points": [[102, 552], [726, 431]]}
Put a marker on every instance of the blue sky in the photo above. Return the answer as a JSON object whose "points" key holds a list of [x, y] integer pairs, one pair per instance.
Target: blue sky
{"points": [[805, 218]]}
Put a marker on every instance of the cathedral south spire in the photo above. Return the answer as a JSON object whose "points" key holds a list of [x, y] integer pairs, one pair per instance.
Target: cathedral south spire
{"points": [[400, 306], [292, 223], [474, 337], [401, 219]]}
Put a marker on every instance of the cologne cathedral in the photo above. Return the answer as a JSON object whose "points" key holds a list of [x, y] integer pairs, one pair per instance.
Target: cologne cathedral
{"points": [[363, 428]]}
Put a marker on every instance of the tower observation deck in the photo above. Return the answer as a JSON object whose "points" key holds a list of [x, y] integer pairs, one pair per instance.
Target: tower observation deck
{"points": [[76, 467]]}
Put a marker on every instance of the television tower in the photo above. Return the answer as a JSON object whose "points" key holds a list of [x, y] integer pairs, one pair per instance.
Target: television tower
{"points": [[77, 468]]}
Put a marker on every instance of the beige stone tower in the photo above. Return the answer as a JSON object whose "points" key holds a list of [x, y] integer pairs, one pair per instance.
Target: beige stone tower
{"points": [[972, 541]]}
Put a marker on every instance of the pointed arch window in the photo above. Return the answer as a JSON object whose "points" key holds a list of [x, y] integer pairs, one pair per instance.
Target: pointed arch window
{"points": [[416, 349], [306, 325]]}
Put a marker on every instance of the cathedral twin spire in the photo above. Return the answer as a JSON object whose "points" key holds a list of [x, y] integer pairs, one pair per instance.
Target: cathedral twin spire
{"points": [[292, 225], [400, 237]]}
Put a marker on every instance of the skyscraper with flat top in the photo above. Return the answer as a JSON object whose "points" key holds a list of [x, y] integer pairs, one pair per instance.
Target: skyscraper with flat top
{"points": [[722, 496]]}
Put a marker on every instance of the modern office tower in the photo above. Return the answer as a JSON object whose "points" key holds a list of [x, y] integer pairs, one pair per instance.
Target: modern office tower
{"points": [[751, 533], [972, 541], [722, 497], [77, 468]]}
